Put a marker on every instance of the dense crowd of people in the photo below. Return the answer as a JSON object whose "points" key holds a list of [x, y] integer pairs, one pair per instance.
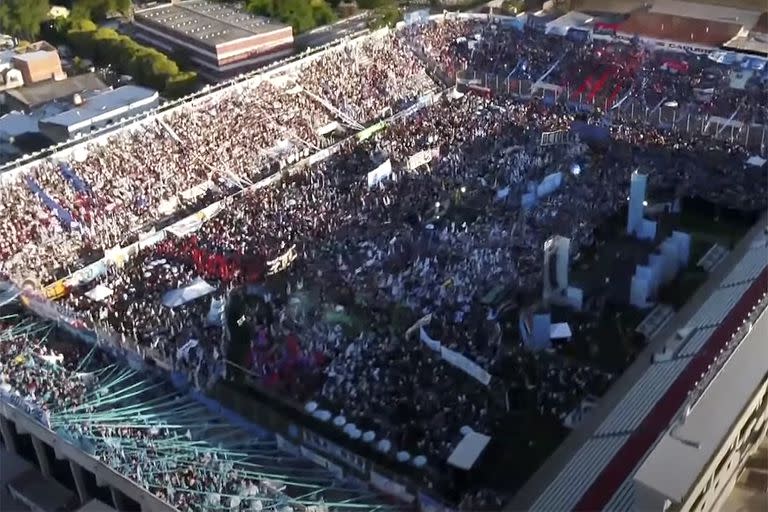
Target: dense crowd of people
{"points": [[388, 276], [196, 154], [145, 430]]}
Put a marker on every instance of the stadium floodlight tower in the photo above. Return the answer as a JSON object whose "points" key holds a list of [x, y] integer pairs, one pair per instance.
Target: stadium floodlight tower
{"points": [[637, 190], [556, 254]]}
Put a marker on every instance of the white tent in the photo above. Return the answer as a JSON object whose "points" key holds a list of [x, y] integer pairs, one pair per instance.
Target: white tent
{"points": [[194, 290], [468, 450]]}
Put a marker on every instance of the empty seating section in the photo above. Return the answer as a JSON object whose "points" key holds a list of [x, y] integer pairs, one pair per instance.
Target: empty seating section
{"points": [[717, 306], [749, 268], [624, 499], [629, 413], [581, 471], [697, 340]]}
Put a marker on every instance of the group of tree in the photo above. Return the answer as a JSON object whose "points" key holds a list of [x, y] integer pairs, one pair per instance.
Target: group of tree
{"points": [[23, 18], [108, 47], [302, 15], [384, 12]]}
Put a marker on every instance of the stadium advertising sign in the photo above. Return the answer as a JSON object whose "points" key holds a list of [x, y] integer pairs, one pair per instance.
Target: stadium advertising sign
{"points": [[391, 487], [321, 461], [429, 504]]}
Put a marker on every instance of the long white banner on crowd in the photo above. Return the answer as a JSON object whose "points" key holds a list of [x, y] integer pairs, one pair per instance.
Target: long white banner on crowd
{"points": [[456, 359]]}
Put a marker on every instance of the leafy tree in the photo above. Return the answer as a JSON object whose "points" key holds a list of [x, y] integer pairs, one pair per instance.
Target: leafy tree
{"points": [[181, 84], [386, 16], [322, 12], [147, 65], [22, 18], [376, 4], [302, 15], [99, 9]]}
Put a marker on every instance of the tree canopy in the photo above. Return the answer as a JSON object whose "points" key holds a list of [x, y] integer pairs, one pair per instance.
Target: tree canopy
{"points": [[99, 9], [302, 15], [147, 65], [22, 18]]}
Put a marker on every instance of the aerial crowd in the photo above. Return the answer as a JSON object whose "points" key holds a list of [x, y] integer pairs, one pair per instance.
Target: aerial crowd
{"points": [[429, 245]]}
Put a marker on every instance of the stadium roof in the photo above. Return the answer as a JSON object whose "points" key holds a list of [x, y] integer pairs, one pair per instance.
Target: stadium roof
{"points": [[41, 93], [673, 467], [680, 29], [105, 103], [751, 43], [709, 12], [209, 23], [599, 475]]}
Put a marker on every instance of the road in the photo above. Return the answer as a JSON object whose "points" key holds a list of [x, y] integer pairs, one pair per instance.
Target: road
{"points": [[326, 34]]}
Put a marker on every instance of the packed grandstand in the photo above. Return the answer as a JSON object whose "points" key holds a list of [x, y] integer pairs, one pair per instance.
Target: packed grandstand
{"points": [[356, 235]]}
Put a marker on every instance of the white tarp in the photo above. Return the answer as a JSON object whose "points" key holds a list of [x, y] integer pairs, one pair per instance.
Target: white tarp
{"points": [[756, 161], [194, 290], [99, 293], [560, 331], [468, 450], [380, 173]]}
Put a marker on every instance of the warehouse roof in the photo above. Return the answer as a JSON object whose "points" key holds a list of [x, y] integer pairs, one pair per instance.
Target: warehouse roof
{"points": [[209, 23], [104, 103], [680, 29], [41, 93]]}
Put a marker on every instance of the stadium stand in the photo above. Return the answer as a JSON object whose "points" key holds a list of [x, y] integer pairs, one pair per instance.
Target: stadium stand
{"points": [[629, 432]]}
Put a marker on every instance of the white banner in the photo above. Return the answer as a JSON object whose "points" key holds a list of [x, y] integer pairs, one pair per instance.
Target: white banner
{"points": [[380, 173], [282, 262], [428, 341], [466, 365], [188, 225], [196, 191], [419, 159], [168, 206], [328, 128], [87, 274]]}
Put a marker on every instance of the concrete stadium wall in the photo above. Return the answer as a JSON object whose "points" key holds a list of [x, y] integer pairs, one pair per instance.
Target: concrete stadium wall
{"points": [[105, 476]]}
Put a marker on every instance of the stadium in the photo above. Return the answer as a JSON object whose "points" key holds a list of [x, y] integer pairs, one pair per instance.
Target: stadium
{"points": [[467, 263]]}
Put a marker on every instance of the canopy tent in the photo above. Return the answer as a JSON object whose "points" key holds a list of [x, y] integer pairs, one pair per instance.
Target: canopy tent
{"points": [[194, 290], [468, 450]]}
